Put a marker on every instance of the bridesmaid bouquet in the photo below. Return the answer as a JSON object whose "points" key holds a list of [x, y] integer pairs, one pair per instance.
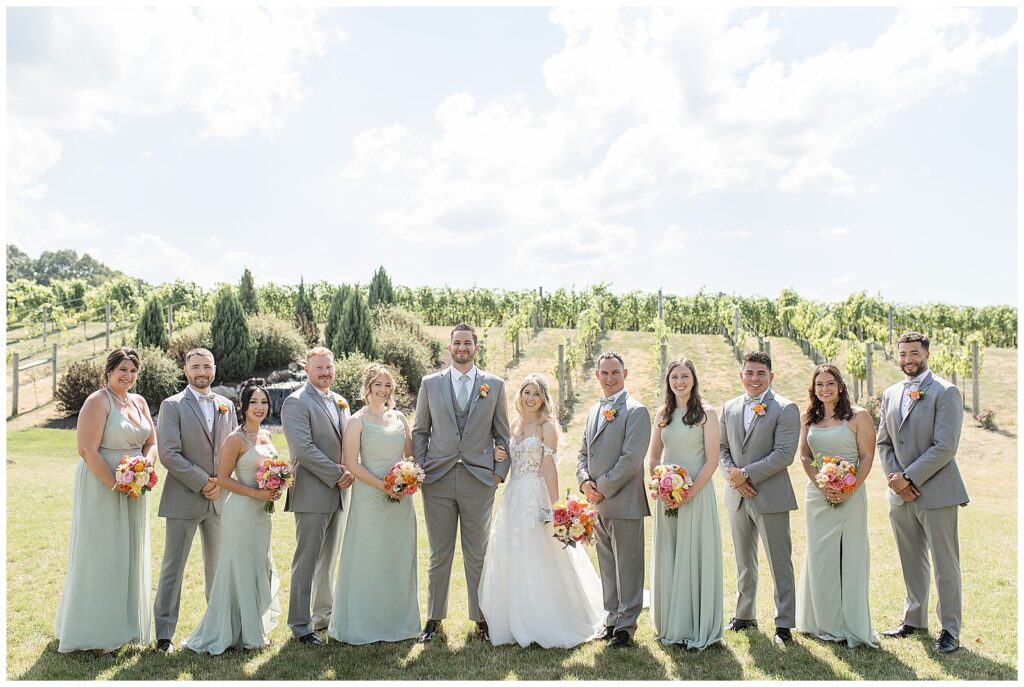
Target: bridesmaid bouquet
{"points": [[134, 476], [670, 483], [274, 473], [403, 479], [837, 473], [573, 520]]}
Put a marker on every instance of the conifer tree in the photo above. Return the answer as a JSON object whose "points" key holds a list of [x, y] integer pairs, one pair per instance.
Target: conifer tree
{"points": [[356, 333], [152, 328], [247, 294], [304, 316], [381, 291], [335, 315], [233, 347]]}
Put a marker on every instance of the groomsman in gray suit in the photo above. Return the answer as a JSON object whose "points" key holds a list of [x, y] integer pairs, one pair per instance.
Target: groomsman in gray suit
{"points": [[313, 418], [461, 423], [191, 427], [918, 437], [760, 432], [610, 472]]}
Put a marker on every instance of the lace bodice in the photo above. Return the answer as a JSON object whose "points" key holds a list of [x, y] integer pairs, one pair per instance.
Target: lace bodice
{"points": [[527, 456]]}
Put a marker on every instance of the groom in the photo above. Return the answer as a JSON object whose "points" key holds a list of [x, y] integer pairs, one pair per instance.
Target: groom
{"points": [[461, 417], [191, 428], [610, 473], [760, 431], [917, 443]]}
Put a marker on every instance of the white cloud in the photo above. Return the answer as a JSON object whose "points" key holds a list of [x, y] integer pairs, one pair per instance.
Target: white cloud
{"points": [[844, 279], [31, 153], [835, 231], [586, 245], [673, 242], [386, 150]]}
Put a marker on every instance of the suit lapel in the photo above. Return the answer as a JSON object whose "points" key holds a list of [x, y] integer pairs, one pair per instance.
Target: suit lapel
{"points": [[591, 428], [448, 394], [191, 402], [766, 399], [619, 404], [913, 404], [314, 396], [474, 394]]}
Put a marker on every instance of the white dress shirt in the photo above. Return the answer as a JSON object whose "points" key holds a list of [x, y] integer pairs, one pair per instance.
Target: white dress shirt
{"points": [[332, 407], [605, 406], [207, 406], [456, 384], [915, 384], [748, 410]]}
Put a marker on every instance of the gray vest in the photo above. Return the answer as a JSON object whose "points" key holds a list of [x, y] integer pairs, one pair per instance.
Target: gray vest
{"points": [[460, 413]]}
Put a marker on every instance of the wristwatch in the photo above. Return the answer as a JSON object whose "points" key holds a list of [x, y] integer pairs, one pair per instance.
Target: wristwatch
{"points": [[743, 471], [904, 476]]}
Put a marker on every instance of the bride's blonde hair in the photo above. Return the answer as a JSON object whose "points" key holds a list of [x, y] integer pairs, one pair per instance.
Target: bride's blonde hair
{"points": [[545, 407]]}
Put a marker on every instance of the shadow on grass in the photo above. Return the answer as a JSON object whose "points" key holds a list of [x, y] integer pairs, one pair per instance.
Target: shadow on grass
{"points": [[791, 662], [716, 662]]}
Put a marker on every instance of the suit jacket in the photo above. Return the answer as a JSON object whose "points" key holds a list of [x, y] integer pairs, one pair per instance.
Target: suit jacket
{"points": [[191, 453], [436, 443], [314, 443], [923, 444], [766, 451], [613, 456]]}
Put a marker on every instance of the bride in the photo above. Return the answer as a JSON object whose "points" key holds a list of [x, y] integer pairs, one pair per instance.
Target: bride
{"points": [[533, 590]]}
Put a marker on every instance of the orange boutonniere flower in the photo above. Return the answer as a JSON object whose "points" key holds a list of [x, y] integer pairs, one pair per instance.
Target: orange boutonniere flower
{"points": [[609, 414], [760, 408], [222, 409], [484, 390], [915, 395], [343, 404]]}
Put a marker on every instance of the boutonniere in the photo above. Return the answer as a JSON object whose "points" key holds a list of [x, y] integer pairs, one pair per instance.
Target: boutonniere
{"points": [[915, 395], [760, 408], [222, 409], [342, 403], [609, 414], [484, 390]]}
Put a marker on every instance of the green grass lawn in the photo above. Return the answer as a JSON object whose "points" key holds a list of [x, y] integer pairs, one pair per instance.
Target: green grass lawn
{"points": [[38, 526]]}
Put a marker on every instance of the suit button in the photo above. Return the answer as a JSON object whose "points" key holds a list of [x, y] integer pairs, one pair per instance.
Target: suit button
{"points": [[901, 442], [744, 451]]}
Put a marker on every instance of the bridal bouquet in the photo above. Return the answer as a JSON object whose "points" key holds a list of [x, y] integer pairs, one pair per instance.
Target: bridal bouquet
{"points": [[403, 479], [837, 473], [573, 520], [274, 473], [670, 483], [134, 476]]}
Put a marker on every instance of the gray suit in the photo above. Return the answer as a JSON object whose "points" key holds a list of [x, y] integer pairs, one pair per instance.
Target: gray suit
{"points": [[765, 451], [191, 453], [320, 506], [612, 455], [455, 448], [923, 445]]}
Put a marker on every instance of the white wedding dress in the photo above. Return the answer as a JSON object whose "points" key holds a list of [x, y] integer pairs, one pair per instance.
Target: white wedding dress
{"points": [[531, 589]]}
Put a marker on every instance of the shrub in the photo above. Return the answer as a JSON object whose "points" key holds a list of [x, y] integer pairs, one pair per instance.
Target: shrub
{"points": [[233, 346], [437, 351], [873, 404], [987, 419], [277, 342], [152, 328], [348, 381], [396, 347], [194, 336], [304, 316], [78, 381], [159, 377]]}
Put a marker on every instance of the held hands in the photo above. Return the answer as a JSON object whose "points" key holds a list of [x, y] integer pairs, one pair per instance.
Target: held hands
{"points": [[268, 494], [593, 495], [904, 489], [500, 454], [740, 483], [836, 496], [345, 478], [211, 490]]}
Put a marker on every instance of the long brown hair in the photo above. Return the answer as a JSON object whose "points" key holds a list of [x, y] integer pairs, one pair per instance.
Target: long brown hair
{"points": [[116, 357], [815, 410], [695, 413]]}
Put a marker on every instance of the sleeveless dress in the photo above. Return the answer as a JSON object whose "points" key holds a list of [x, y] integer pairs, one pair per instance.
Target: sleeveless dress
{"points": [[686, 556], [105, 603], [245, 598], [531, 589], [376, 594], [832, 597]]}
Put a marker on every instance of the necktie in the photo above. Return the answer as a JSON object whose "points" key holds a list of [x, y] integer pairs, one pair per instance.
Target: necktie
{"points": [[463, 391]]}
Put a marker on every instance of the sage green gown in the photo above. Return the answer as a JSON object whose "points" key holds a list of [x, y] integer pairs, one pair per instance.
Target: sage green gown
{"points": [[245, 599], [376, 595], [832, 596], [686, 556], [105, 603]]}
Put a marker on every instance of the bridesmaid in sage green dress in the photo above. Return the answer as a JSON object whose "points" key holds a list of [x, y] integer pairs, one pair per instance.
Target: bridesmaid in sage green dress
{"points": [[686, 556], [244, 600], [105, 602], [376, 593], [832, 597]]}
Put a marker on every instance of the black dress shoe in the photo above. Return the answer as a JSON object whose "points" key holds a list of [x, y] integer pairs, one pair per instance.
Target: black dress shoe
{"points": [[165, 646], [903, 630], [310, 638], [482, 631], [946, 643], [783, 635], [432, 628], [607, 633], [620, 639], [737, 624]]}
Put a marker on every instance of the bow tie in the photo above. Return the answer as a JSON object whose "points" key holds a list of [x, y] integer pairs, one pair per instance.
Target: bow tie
{"points": [[908, 382], [747, 400], [205, 397], [326, 395], [607, 400]]}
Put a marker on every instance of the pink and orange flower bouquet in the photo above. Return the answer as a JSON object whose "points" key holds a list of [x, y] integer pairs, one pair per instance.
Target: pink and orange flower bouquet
{"points": [[837, 473], [403, 479], [274, 473], [134, 475], [669, 484], [573, 520]]}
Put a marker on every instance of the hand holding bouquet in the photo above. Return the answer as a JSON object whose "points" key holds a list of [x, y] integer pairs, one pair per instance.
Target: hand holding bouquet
{"points": [[403, 479], [573, 520], [670, 483], [835, 473], [134, 476], [274, 473]]}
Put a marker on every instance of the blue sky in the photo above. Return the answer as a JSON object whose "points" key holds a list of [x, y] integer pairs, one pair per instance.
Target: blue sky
{"points": [[828, 150]]}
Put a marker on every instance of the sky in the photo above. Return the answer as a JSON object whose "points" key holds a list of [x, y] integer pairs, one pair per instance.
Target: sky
{"points": [[828, 150]]}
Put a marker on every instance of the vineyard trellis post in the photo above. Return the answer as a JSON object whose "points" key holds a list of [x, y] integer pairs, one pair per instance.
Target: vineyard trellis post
{"points": [[15, 383], [870, 371], [107, 309], [46, 318], [890, 325], [976, 379], [736, 327], [170, 319], [664, 360], [54, 389], [561, 379], [661, 310], [768, 347]]}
